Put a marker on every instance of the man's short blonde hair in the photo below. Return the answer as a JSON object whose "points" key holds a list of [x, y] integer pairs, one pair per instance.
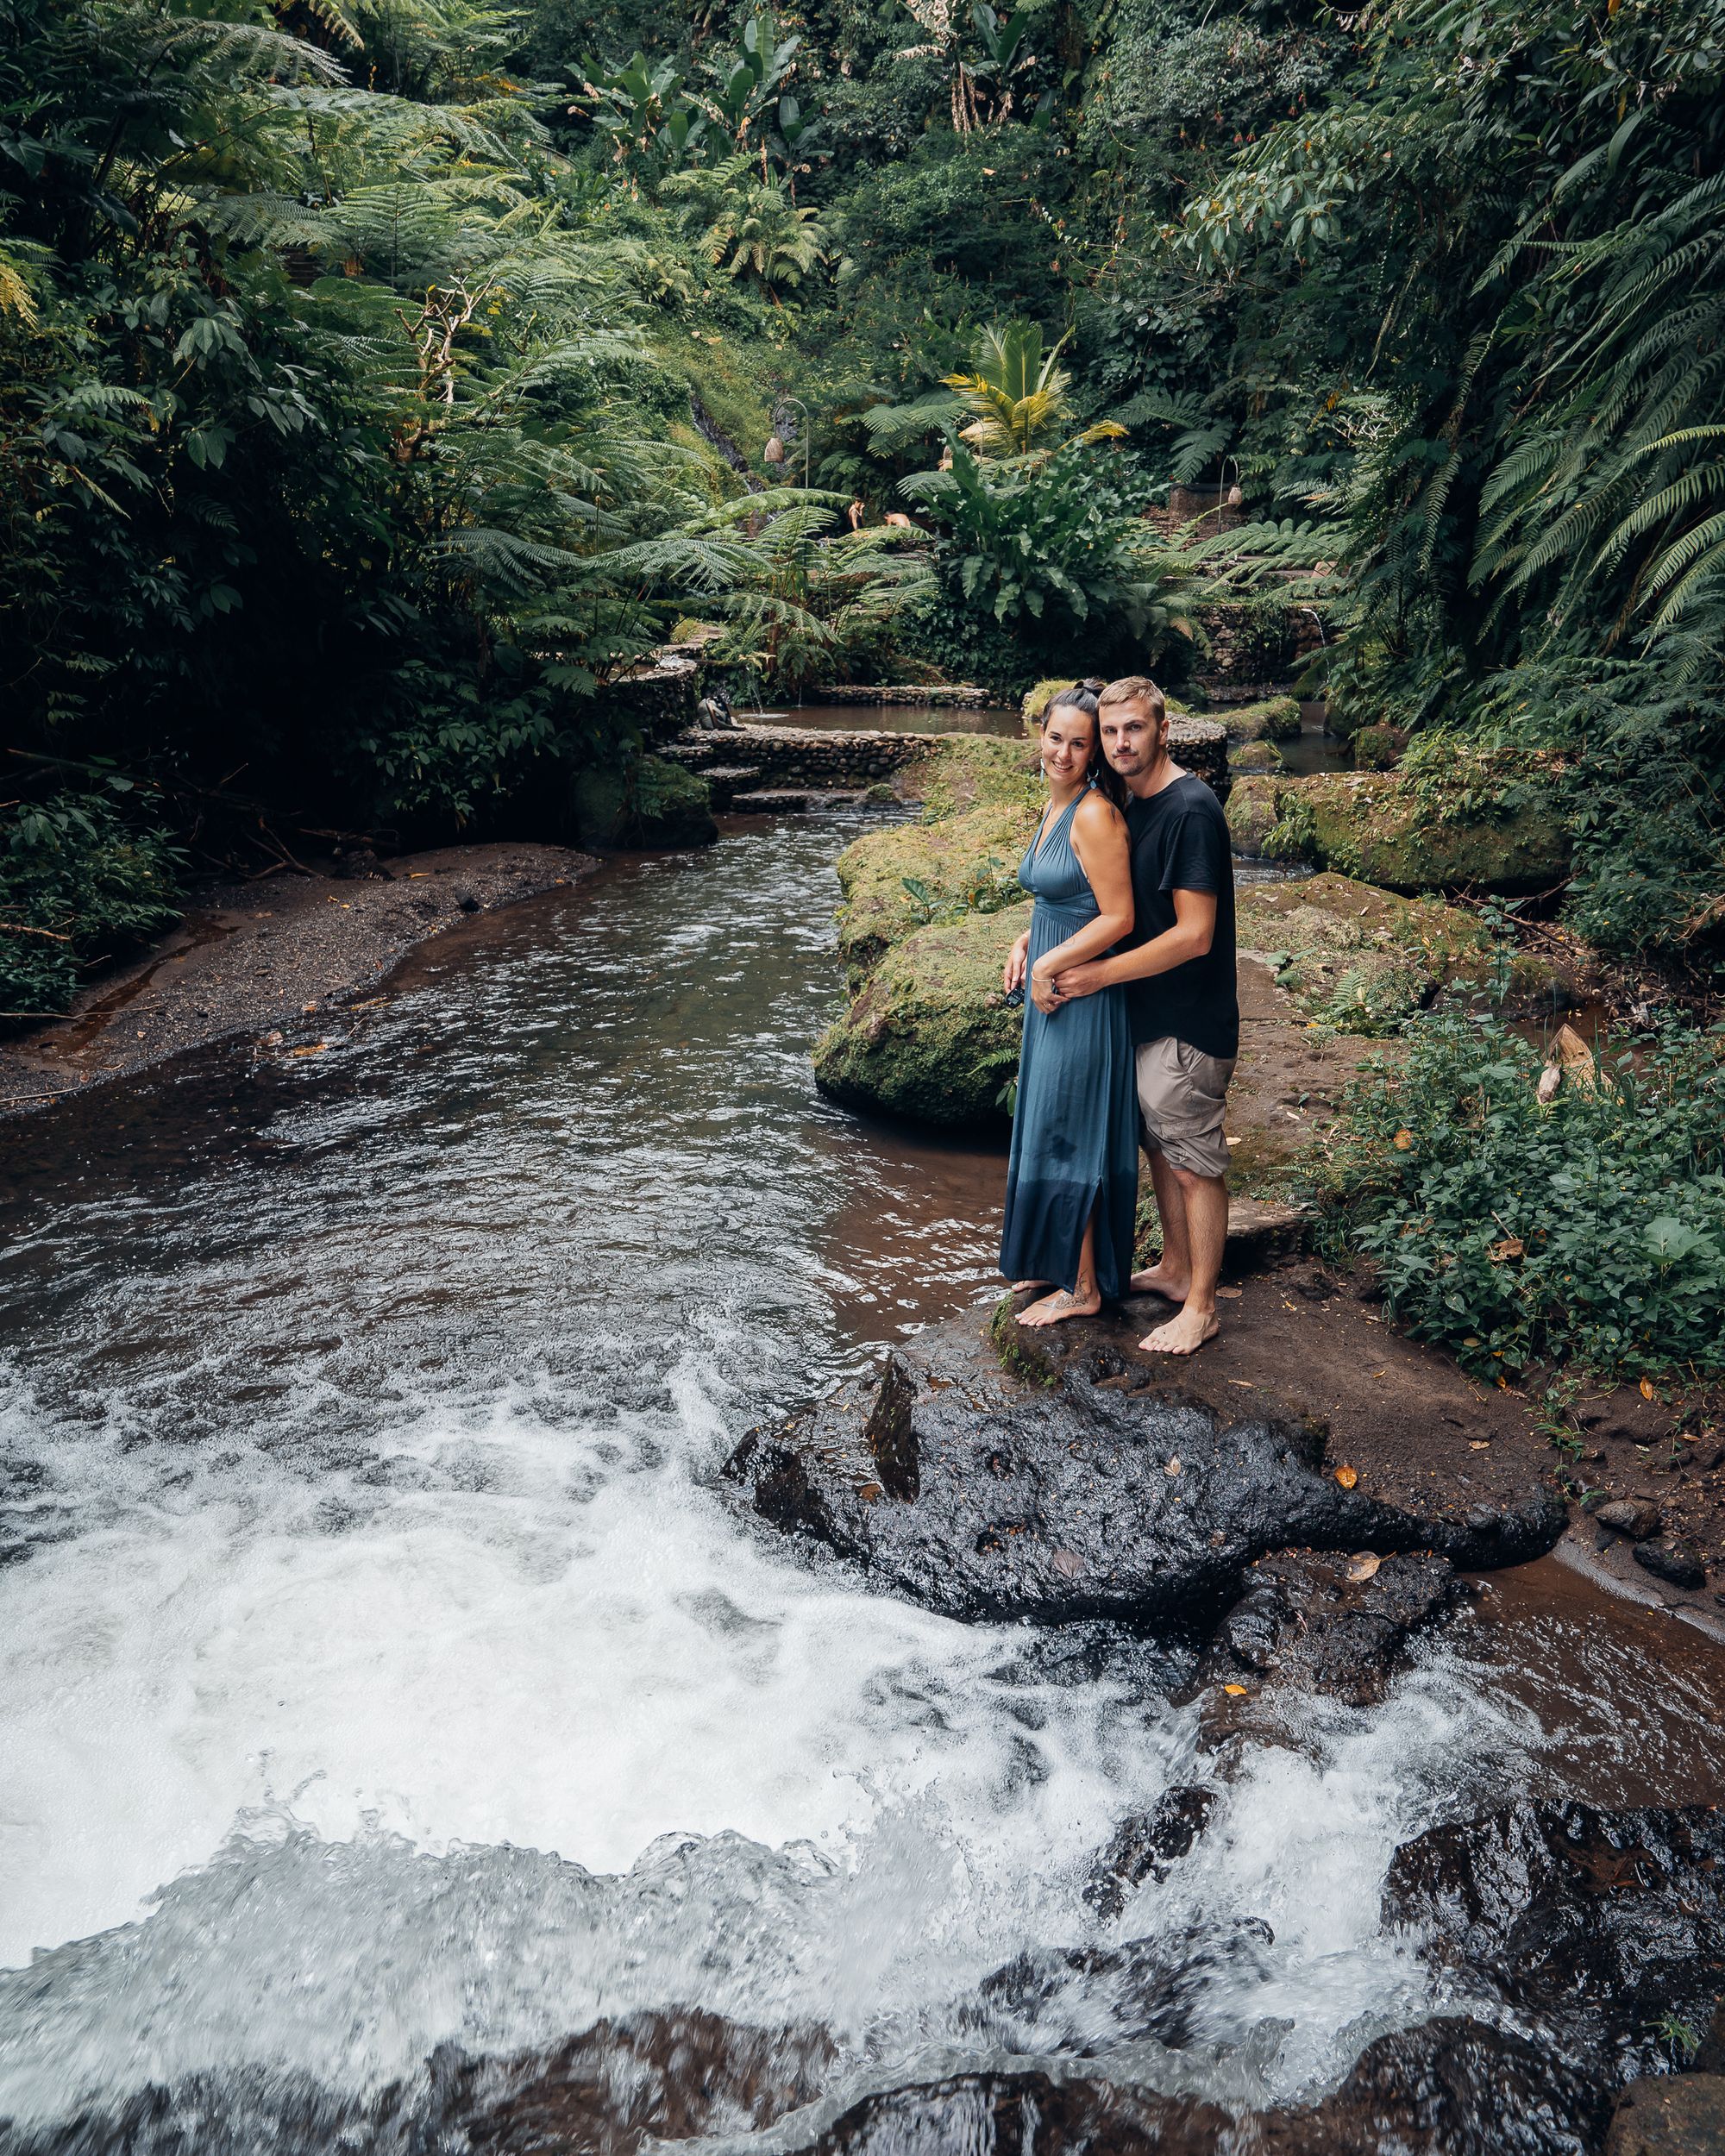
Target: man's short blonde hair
{"points": [[1135, 688]]}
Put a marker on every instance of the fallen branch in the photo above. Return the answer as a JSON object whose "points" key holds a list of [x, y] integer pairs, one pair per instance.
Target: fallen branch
{"points": [[18, 927]]}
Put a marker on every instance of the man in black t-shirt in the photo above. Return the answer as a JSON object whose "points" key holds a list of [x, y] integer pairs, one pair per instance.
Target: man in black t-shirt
{"points": [[1177, 969]]}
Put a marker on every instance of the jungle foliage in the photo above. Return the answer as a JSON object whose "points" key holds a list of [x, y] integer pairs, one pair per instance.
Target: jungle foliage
{"points": [[377, 385]]}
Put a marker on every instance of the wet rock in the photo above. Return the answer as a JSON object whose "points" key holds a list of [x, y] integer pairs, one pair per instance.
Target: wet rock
{"points": [[1254, 756], [1675, 1562], [1084, 2003], [1604, 1929], [1672, 2115], [1018, 1469], [640, 2077], [1312, 1624], [1148, 1845], [1451, 2087], [1636, 1517], [659, 2076]]}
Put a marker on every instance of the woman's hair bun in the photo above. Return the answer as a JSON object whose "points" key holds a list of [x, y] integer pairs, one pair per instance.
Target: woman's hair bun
{"points": [[1091, 685]]}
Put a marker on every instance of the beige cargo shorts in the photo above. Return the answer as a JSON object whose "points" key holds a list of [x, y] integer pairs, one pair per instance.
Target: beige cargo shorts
{"points": [[1181, 1095]]}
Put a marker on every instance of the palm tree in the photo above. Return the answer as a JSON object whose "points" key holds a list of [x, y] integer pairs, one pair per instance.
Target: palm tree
{"points": [[1018, 393]]}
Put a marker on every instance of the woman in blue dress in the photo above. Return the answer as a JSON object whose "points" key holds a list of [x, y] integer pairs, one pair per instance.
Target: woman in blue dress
{"points": [[1072, 1180]]}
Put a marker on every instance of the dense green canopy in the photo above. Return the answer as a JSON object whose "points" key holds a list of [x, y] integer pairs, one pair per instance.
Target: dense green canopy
{"points": [[376, 383]]}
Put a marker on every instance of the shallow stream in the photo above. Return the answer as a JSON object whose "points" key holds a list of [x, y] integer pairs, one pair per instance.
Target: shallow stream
{"points": [[383, 1664]]}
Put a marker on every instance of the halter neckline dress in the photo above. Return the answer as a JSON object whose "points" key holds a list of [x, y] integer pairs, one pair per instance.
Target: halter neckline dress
{"points": [[1075, 1130]]}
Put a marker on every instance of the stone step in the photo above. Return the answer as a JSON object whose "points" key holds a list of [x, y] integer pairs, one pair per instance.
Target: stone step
{"points": [[726, 781]]}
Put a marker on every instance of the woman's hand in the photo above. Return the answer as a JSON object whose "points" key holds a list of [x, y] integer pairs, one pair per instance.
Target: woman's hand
{"points": [[1042, 992], [1012, 974]]}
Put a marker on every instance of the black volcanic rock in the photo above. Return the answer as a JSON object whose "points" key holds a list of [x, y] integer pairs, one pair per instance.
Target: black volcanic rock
{"points": [[1450, 2087], [990, 1488], [1605, 1929], [1309, 1623]]}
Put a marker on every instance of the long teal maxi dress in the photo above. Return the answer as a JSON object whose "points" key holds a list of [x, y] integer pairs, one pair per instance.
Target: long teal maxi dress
{"points": [[1075, 1131]]}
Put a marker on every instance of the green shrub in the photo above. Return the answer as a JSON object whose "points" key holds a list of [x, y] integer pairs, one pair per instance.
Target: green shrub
{"points": [[77, 884], [1592, 1230]]}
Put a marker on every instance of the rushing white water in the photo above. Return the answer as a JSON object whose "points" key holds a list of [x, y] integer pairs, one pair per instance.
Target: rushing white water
{"points": [[382, 1664]]}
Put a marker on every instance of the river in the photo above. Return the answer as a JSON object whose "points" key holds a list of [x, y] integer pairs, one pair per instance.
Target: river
{"points": [[383, 1664]]}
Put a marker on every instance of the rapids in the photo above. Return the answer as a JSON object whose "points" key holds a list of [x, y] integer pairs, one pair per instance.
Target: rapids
{"points": [[383, 1665]]}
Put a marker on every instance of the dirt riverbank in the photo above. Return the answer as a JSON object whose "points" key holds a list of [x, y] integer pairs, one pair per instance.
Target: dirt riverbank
{"points": [[266, 955]]}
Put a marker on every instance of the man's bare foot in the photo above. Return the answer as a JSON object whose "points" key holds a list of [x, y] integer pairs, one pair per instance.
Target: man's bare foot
{"points": [[1182, 1335], [1052, 1309], [1158, 1282]]}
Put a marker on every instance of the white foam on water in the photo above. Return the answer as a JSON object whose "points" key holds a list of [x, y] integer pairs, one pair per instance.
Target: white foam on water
{"points": [[496, 1660], [387, 1669]]}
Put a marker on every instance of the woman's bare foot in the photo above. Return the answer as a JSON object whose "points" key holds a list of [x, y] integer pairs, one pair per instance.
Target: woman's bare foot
{"points": [[1020, 1286], [1184, 1334], [1158, 1281], [1052, 1309]]}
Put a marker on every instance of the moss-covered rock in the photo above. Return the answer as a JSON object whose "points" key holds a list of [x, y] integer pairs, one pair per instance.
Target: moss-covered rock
{"points": [[1276, 718], [1254, 813], [1404, 832], [931, 1036], [896, 881], [980, 802], [1363, 959], [1378, 748], [652, 803], [1252, 756]]}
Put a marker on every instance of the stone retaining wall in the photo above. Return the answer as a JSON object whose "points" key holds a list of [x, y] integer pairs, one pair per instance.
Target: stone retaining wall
{"points": [[810, 756], [963, 699]]}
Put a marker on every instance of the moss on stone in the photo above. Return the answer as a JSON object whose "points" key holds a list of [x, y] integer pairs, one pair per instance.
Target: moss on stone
{"points": [[979, 806], [1276, 718], [969, 771], [651, 803], [1404, 832], [931, 1034], [1378, 748], [1363, 959], [896, 881], [1254, 756]]}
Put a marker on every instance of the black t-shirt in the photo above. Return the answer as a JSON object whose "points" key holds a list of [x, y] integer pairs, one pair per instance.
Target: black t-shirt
{"points": [[1179, 842]]}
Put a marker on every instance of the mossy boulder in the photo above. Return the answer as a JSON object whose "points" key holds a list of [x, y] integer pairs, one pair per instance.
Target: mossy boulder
{"points": [[931, 1036], [650, 804], [1276, 718], [1254, 756], [897, 881], [1378, 748], [1404, 832], [1362, 959]]}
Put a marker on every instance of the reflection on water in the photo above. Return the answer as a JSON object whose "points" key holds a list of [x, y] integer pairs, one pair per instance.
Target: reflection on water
{"points": [[381, 1665]]}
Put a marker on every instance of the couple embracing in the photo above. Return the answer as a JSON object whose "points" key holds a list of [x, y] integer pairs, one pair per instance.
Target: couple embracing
{"points": [[1131, 1022]]}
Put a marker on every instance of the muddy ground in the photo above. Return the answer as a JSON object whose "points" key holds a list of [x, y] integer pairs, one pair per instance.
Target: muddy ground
{"points": [[252, 957]]}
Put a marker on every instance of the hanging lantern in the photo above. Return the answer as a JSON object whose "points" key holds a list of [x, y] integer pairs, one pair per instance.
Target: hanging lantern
{"points": [[945, 464], [1235, 497], [774, 451]]}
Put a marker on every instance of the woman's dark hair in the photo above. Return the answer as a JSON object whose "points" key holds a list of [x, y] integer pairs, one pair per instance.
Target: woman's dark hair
{"points": [[1081, 697]]}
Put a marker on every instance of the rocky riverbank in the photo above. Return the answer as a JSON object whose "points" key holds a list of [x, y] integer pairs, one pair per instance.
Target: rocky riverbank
{"points": [[269, 957], [1305, 1500]]}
